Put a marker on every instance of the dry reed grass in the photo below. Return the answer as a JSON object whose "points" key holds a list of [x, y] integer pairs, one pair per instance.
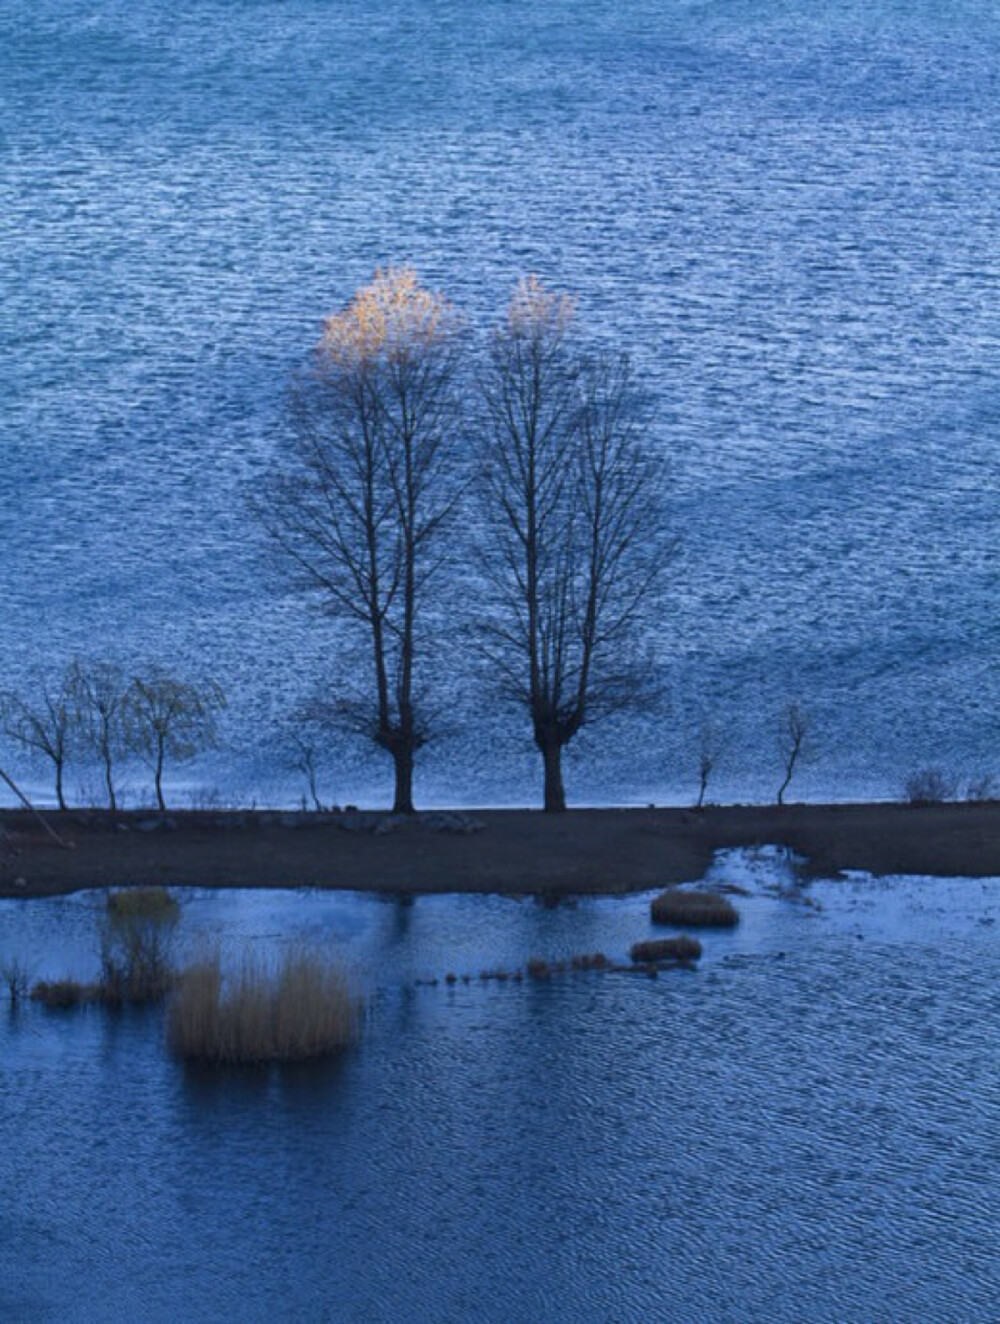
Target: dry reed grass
{"points": [[666, 949], [693, 909], [303, 1009]]}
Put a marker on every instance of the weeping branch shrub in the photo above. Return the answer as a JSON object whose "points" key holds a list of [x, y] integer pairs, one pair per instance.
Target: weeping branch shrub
{"points": [[303, 1009], [150, 904]]}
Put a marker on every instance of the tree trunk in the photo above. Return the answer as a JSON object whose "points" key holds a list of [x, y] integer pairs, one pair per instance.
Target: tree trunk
{"points": [[60, 798], [402, 759], [555, 795], [158, 777], [109, 783]]}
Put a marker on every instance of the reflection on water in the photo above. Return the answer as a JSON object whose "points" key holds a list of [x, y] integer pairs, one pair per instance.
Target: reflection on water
{"points": [[805, 1128]]}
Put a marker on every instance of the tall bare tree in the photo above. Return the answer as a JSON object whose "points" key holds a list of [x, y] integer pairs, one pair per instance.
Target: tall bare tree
{"points": [[45, 721], [575, 537], [165, 717], [360, 499]]}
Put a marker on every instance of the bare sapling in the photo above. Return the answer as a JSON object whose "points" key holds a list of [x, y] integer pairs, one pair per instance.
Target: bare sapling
{"points": [[793, 743]]}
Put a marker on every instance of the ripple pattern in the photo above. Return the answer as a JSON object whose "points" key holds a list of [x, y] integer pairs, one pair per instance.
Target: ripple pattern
{"points": [[788, 215]]}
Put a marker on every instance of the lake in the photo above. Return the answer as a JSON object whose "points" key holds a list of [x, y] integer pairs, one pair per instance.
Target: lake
{"points": [[804, 1128], [787, 213]]}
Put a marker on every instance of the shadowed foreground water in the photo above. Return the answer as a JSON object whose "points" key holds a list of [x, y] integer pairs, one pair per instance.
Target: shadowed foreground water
{"points": [[807, 1128]]}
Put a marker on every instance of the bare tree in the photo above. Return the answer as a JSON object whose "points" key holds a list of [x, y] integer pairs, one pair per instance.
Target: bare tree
{"points": [[711, 747], [301, 740], [46, 722], [359, 502], [793, 742], [165, 717], [101, 689], [575, 542], [306, 760]]}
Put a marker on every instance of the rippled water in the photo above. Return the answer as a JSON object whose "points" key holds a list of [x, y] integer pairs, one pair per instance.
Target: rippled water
{"points": [[806, 1128], [787, 211]]}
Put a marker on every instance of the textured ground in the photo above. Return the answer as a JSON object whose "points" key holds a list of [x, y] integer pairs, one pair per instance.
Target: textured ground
{"points": [[603, 850]]}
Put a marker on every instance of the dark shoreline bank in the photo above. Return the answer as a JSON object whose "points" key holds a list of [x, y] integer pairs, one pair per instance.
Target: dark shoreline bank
{"points": [[517, 851]]}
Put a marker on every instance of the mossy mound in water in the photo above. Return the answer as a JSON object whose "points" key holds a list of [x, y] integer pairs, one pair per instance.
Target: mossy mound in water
{"points": [[666, 949], [693, 909]]}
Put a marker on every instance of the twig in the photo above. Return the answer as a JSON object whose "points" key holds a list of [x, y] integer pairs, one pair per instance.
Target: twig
{"points": [[28, 805]]}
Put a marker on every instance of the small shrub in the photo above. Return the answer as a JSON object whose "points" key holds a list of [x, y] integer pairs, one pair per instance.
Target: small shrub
{"points": [[17, 978], [60, 993], [303, 1010], [693, 909], [982, 788], [929, 786], [538, 969]]}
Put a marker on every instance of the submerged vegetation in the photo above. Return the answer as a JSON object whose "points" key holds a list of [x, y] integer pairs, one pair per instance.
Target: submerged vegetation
{"points": [[256, 1012], [303, 1009], [135, 940]]}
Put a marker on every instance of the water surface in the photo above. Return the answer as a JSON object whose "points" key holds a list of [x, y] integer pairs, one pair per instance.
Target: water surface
{"points": [[805, 1128], [787, 213]]}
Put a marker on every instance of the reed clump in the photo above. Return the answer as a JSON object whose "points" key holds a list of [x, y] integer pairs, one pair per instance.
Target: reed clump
{"points": [[302, 1009], [666, 949], [693, 909]]}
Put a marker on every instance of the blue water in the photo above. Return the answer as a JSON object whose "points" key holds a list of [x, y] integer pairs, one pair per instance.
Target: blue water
{"points": [[787, 212], [806, 1128]]}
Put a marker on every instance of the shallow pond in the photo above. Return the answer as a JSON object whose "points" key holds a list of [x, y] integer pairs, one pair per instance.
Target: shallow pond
{"points": [[806, 1128]]}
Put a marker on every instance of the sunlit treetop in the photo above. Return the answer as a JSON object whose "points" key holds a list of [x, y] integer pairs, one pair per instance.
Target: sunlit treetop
{"points": [[537, 311], [389, 318]]}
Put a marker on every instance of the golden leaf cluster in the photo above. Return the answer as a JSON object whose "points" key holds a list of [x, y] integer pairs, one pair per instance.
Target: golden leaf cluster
{"points": [[390, 318], [536, 311]]}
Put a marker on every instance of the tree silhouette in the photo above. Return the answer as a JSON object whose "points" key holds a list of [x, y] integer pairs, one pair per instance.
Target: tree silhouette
{"points": [[360, 499], [575, 543]]}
